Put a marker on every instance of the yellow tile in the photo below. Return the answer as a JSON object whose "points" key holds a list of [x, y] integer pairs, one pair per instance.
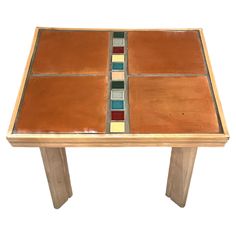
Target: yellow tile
{"points": [[117, 127], [118, 75], [118, 58]]}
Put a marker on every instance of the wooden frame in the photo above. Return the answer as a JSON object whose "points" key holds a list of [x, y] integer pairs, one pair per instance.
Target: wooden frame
{"points": [[96, 140]]}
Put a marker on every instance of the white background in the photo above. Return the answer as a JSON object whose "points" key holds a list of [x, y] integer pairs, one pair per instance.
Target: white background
{"points": [[117, 191]]}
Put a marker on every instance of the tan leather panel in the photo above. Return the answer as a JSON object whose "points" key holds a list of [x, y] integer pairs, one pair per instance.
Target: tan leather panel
{"points": [[165, 52], [64, 104], [72, 52], [171, 105]]}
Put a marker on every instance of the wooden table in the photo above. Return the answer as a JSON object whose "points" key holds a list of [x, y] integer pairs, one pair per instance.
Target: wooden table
{"points": [[116, 88]]}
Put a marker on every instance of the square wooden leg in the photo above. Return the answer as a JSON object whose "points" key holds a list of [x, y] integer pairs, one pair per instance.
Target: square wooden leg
{"points": [[180, 172], [55, 164]]}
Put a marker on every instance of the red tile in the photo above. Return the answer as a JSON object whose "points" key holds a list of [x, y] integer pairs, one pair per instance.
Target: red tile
{"points": [[118, 49], [117, 115]]}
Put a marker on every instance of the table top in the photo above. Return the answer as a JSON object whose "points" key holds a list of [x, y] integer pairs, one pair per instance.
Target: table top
{"points": [[105, 87]]}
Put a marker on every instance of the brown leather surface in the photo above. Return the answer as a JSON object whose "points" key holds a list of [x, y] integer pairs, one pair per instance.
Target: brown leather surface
{"points": [[168, 104], [64, 104], [171, 105], [72, 52], [165, 52]]}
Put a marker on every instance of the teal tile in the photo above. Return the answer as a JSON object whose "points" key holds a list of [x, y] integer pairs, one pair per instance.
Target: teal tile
{"points": [[117, 104], [117, 66], [117, 85], [118, 34]]}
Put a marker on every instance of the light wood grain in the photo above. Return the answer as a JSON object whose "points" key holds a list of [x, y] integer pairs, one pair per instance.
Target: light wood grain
{"points": [[55, 164], [117, 140], [118, 29], [180, 172], [21, 90], [213, 83]]}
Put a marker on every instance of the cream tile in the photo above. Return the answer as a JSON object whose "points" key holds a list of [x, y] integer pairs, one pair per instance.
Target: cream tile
{"points": [[117, 94], [117, 127], [118, 75], [118, 58], [118, 42]]}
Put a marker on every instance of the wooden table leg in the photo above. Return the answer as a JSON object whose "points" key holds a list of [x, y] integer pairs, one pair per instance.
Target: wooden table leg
{"points": [[55, 164], [180, 172]]}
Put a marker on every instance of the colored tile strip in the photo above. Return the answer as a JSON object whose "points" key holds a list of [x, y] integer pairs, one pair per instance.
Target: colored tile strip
{"points": [[118, 112]]}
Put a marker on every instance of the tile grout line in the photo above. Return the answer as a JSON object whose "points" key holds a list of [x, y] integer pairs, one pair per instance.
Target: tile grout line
{"points": [[67, 75], [165, 75], [108, 119], [126, 85]]}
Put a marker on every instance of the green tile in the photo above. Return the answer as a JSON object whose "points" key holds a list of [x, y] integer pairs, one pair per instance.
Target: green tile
{"points": [[117, 85], [118, 34]]}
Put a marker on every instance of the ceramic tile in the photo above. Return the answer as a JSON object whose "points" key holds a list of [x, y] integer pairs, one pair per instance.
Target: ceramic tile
{"points": [[117, 66], [117, 94], [118, 42], [117, 104], [118, 34], [118, 75], [117, 115], [117, 85], [118, 58], [118, 50], [117, 127]]}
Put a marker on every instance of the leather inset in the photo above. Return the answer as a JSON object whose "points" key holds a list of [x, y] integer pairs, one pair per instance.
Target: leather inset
{"points": [[72, 52], [171, 105], [155, 52], [64, 105]]}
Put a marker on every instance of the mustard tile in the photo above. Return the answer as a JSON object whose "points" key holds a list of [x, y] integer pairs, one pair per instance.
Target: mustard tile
{"points": [[117, 127]]}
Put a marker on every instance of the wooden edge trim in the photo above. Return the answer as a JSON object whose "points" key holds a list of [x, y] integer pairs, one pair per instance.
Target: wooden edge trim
{"points": [[96, 140], [22, 85], [118, 29], [212, 79]]}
